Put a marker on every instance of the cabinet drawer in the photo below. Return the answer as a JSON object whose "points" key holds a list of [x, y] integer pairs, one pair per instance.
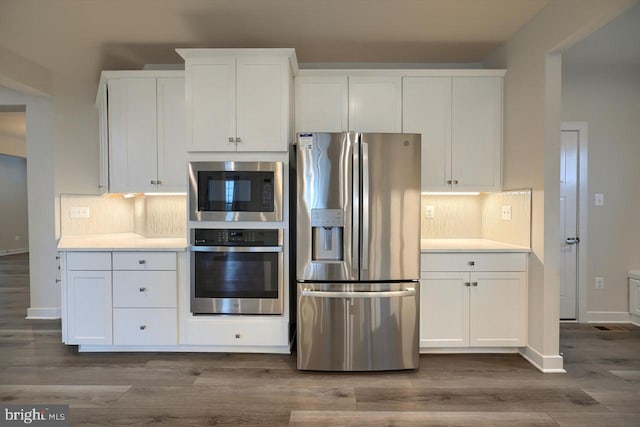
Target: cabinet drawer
{"points": [[474, 261], [145, 326], [144, 289], [88, 261], [237, 332], [144, 260]]}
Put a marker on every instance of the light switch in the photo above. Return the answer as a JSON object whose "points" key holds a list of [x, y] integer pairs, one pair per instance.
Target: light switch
{"points": [[430, 212], [598, 199], [506, 213]]}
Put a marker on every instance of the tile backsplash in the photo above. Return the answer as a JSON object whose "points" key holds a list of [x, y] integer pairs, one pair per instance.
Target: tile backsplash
{"points": [[153, 216], [478, 217]]}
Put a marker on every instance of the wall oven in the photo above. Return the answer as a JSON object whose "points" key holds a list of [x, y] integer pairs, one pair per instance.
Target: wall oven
{"points": [[237, 271], [235, 191]]}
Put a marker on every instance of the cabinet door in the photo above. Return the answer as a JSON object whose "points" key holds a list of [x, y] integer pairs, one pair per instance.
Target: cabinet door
{"points": [[88, 307], [322, 104], [132, 135], [444, 310], [634, 297], [103, 135], [263, 104], [476, 137], [211, 104], [426, 109], [498, 309], [375, 104], [172, 167]]}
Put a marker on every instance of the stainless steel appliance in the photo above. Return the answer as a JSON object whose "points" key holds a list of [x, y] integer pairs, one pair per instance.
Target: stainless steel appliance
{"points": [[235, 191], [358, 251], [237, 271]]}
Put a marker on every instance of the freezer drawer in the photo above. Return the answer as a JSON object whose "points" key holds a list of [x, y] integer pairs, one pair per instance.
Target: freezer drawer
{"points": [[358, 327]]}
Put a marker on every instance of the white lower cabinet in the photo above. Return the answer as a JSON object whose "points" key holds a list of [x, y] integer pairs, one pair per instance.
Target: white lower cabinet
{"points": [[634, 298], [147, 326], [120, 298], [473, 308], [87, 298]]}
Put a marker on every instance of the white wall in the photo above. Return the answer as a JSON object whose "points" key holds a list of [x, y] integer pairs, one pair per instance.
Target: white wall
{"points": [[13, 214], [607, 97], [531, 155], [45, 292]]}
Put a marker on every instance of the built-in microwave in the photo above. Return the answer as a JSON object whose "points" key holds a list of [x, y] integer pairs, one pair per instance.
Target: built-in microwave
{"points": [[235, 191]]}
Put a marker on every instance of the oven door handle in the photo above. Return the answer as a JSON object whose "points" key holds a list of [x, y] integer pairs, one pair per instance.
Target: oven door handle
{"points": [[235, 248]]}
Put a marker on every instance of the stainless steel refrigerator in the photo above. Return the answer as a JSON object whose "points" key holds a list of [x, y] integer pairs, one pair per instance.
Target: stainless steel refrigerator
{"points": [[357, 251]]}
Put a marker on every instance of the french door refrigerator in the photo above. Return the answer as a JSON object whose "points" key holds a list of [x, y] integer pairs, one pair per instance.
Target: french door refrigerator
{"points": [[357, 251]]}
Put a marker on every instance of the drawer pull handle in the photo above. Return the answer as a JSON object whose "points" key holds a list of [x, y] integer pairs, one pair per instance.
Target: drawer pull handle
{"points": [[143, 327], [237, 336], [474, 283], [143, 289], [467, 283], [141, 261], [472, 263]]}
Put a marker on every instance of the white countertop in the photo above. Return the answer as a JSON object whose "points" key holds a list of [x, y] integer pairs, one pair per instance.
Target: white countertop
{"points": [[469, 245], [634, 274], [120, 241]]}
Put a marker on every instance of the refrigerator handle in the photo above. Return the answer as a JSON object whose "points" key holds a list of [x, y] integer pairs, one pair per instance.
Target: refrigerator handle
{"points": [[355, 191], [365, 206]]}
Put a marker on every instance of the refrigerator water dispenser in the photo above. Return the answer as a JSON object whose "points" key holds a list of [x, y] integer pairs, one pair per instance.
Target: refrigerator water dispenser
{"points": [[327, 226]]}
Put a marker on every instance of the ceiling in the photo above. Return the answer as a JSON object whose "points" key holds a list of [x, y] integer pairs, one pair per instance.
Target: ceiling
{"points": [[618, 42], [80, 36]]}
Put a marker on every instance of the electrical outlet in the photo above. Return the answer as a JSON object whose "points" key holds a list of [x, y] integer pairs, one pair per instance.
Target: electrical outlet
{"points": [[430, 212], [598, 199], [506, 213], [599, 282], [79, 212]]}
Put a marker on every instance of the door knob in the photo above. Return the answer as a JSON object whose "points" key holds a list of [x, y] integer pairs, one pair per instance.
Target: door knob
{"points": [[572, 240]]}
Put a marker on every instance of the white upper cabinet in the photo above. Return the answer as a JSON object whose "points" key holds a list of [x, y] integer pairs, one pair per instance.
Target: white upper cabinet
{"points": [[330, 101], [460, 119], [145, 125], [322, 104], [239, 99], [476, 134], [427, 111], [375, 104]]}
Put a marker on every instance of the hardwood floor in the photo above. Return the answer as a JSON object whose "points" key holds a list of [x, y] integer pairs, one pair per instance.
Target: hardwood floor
{"points": [[601, 387]]}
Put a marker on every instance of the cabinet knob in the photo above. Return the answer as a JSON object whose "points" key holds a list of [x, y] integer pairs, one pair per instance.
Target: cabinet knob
{"points": [[142, 261], [58, 280], [100, 186], [455, 181], [158, 182], [467, 283], [143, 289], [231, 140], [237, 336], [472, 263], [143, 327], [238, 140], [58, 257], [448, 181], [153, 182], [474, 283]]}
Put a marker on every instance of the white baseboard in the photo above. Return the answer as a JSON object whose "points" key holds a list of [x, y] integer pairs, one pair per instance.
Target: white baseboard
{"points": [[635, 319], [4, 252], [546, 364], [608, 317], [469, 350], [90, 348], [42, 313]]}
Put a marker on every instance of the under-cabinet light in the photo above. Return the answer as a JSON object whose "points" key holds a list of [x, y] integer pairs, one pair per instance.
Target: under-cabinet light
{"points": [[444, 193]]}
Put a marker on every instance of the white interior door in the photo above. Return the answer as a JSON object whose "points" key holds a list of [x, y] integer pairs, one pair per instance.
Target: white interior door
{"points": [[569, 224]]}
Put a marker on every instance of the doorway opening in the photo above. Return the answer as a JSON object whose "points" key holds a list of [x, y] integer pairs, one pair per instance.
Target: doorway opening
{"points": [[573, 221]]}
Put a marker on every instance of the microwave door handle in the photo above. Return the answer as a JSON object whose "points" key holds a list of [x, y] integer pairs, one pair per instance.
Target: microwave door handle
{"points": [[365, 206], [355, 217]]}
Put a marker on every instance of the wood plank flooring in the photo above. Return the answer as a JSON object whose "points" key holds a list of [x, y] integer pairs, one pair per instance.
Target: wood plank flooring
{"points": [[601, 387]]}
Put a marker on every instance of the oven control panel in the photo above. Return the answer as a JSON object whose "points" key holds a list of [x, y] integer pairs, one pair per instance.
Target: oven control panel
{"points": [[236, 237]]}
